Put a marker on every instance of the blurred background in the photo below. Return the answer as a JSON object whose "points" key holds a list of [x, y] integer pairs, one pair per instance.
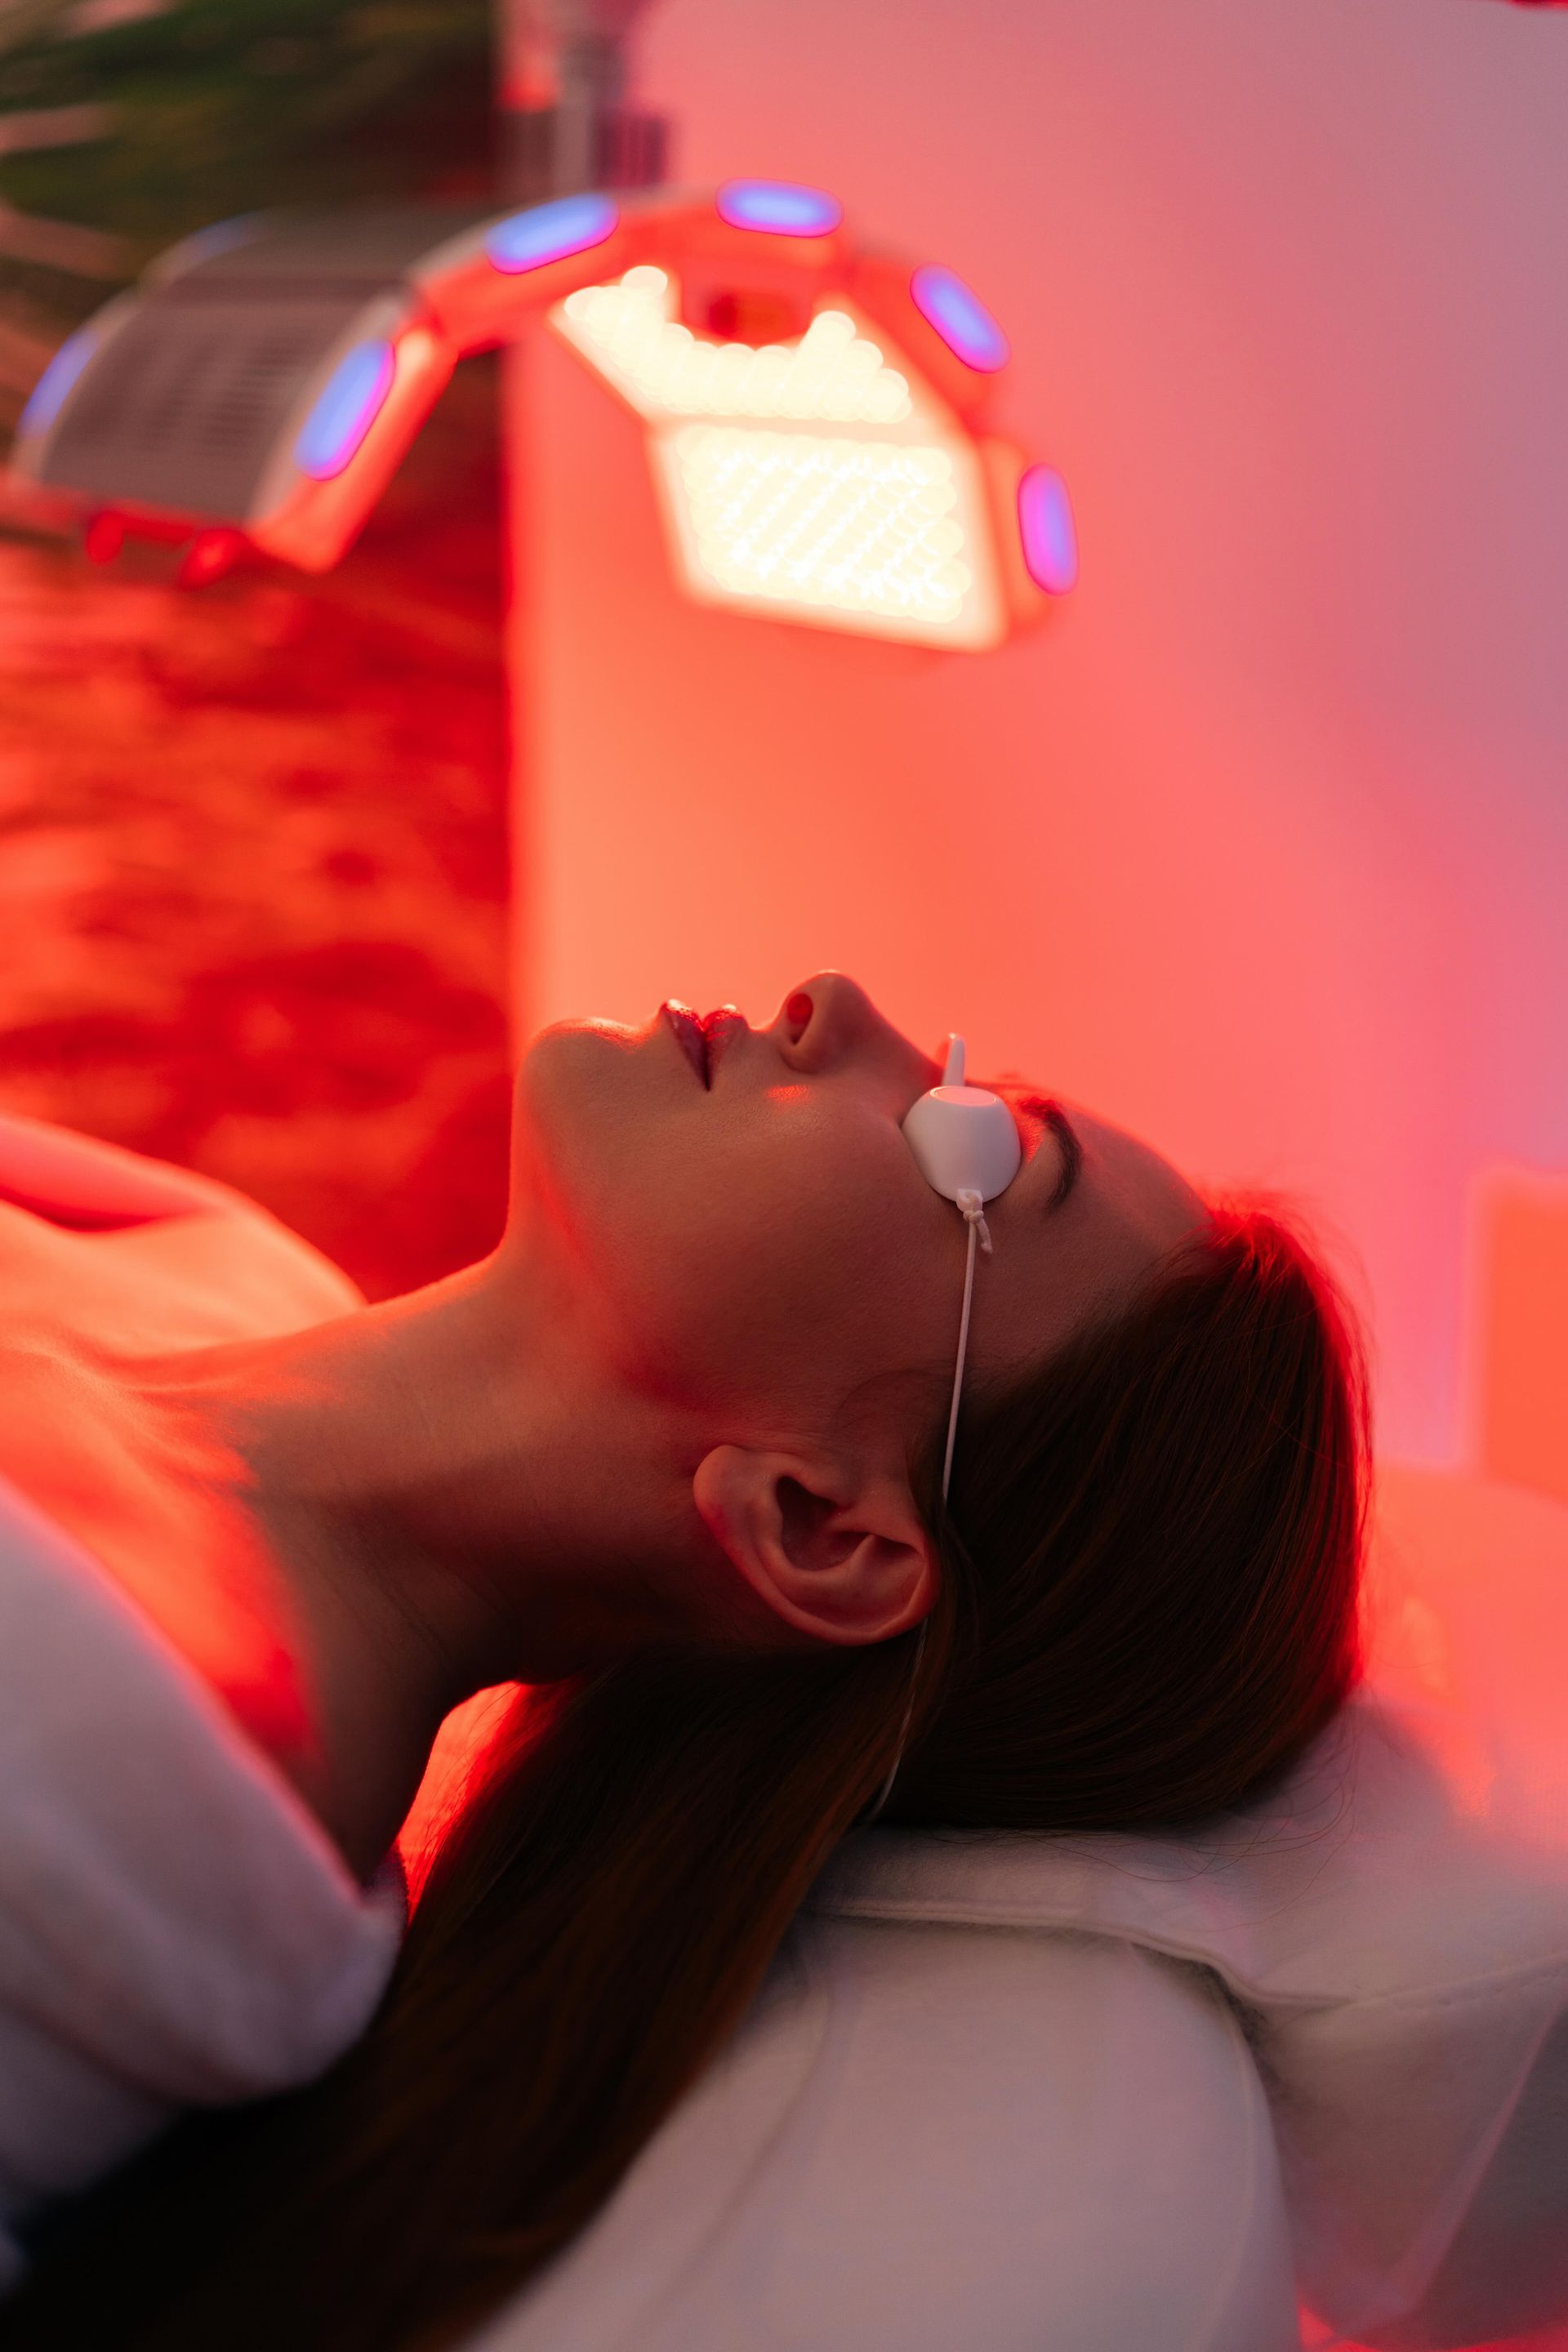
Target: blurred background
{"points": [[1260, 847], [253, 845]]}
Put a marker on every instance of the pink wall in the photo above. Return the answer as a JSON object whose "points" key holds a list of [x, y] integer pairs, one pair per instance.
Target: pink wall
{"points": [[1263, 847]]}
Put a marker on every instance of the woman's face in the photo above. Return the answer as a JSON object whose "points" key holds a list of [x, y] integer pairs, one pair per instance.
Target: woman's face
{"points": [[735, 1213]]}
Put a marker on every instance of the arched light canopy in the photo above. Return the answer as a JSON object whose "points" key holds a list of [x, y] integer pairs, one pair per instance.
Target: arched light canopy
{"points": [[815, 415]]}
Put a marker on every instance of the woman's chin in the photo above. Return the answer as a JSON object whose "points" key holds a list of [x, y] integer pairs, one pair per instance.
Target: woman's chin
{"points": [[580, 1094], [572, 1054], [589, 1031]]}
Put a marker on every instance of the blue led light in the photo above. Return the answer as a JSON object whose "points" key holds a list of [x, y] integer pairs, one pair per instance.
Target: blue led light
{"points": [[347, 408], [549, 233], [1046, 528], [209, 243], [960, 318], [48, 395], [779, 207]]}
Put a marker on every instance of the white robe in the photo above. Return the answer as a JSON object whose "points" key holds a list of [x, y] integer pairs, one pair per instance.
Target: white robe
{"points": [[176, 1928]]}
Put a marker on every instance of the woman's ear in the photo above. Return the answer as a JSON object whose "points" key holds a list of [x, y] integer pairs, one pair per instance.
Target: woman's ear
{"points": [[836, 1550]]}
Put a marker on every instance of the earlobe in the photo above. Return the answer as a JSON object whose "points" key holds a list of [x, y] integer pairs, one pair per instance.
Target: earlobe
{"points": [[837, 1551]]}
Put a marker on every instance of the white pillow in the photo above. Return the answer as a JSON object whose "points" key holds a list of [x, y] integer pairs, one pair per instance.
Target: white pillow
{"points": [[1394, 1926], [929, 2140]]}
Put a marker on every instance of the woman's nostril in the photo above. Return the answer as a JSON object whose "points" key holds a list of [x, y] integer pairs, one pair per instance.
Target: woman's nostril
{"points": [[797, 1015]]}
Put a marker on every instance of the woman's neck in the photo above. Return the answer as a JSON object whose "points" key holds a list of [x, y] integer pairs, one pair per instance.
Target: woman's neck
{"points": [[377, 1516]]}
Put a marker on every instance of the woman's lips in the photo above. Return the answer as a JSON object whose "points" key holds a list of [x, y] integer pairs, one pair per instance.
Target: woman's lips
{"points": [[702, 1038], [720, 1029], [689, 1035]]}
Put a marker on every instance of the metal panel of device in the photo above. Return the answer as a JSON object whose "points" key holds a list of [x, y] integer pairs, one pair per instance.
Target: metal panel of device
{"points": [[188, 392]]}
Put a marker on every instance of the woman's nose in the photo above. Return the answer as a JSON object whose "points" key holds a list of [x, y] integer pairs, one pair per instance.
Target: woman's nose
{"points": [[823, 1019], [828, 1021]]}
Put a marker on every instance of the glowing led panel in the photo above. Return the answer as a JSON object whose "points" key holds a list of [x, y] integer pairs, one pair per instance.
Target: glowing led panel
{"points": [[878, 525], [549, 233], [960, 318], [348, 406], [630, 333], [881, 538], [778, 207]]}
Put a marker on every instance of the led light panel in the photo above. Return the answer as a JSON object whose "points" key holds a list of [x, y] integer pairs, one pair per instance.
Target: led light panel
{"points": [[878, 525], [630, 333], [856, 530]]}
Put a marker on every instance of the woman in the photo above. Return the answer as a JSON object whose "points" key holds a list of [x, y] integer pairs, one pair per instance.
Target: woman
{"points": [[673, 1458]]}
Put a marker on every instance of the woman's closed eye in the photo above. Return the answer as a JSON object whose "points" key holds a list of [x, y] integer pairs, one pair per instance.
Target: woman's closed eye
{"points": [[1042, 1122]]}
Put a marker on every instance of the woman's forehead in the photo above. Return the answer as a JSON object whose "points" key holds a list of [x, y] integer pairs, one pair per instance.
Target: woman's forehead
{"points": [[1128, 1208], [1136, 1181]]}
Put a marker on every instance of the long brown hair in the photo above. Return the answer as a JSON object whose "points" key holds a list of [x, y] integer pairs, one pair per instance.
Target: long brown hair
{"points": [[1147, 1610]]}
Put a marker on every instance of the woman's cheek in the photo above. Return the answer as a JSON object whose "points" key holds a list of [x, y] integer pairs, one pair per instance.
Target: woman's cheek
{"points": [[764, 1317]]}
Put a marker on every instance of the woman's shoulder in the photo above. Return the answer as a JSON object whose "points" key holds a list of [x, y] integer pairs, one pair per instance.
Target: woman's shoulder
{"points": [[133, 1253], [85, 1185]]}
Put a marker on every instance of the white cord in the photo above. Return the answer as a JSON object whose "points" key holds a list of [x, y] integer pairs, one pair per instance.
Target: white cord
{"points": [[973, 1208]]}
